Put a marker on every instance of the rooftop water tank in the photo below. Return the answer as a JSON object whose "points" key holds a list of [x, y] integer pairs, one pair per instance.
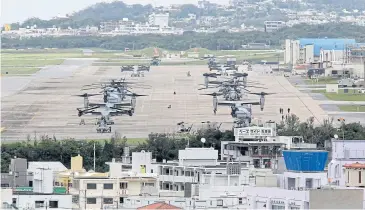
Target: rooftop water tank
{"points": [[305, 160]]}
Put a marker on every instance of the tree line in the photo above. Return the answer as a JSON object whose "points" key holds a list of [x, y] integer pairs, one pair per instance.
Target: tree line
{"points": [[162, 146], [216, 41]]}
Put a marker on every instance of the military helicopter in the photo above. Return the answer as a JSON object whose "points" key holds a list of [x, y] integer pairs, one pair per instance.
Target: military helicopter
{"points": [[107, 110], [155, 61], [103, 126], [137, 71], [112, 109]]}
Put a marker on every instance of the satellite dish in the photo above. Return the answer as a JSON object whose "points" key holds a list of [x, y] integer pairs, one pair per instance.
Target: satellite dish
{"points": [[336, 136], [202, 140]]}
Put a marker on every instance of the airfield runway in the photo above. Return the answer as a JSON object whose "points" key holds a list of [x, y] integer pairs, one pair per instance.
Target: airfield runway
{"points": [[45, 105]]}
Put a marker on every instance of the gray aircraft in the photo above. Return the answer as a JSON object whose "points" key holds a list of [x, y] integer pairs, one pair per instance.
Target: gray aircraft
{"points": [[137, 71]]}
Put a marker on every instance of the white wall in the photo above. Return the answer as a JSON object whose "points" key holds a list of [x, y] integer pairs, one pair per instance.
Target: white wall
{"points": [[6, 195], [198, 156], [142, 158], [336, 171], [28, 201], [207, 191], [257, 197], [344, 152], [318, 179], [348, 149], [309, 53]]}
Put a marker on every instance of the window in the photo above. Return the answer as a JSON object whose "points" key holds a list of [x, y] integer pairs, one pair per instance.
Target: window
{"points": [[121, 199], [123, 185], [53, 204], [108, 200], [151, 171], [30, 183], [239, 200], [359, 177], [91, 186], [91, 200], [220, 202], [108, 186], [39, 204], [75, 199], [348, 176], [277, 207], [149, 184]]}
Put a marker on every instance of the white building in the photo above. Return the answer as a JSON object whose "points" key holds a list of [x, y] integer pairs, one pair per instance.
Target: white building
{"points": [[161, 20], [111, 191], [344, 152], [260, 146], [271, 26], [41, 196]]}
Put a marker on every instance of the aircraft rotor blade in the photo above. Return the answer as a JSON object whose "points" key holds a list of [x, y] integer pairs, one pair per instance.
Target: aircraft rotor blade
{"points": [[212, 94], [262, 93], [87, 95]]}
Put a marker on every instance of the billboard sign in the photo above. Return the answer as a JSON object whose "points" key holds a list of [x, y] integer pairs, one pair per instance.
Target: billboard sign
{"points": [[253, 132]]}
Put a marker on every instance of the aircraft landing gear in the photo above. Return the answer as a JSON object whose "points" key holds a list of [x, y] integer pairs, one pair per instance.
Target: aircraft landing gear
{"points": [[130, 112]]}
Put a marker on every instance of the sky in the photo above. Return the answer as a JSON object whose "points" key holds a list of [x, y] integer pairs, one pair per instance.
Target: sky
{"points": [[20, 10]]}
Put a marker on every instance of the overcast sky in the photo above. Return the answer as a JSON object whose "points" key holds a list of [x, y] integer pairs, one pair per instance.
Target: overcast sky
{"points": [[20, 10]]}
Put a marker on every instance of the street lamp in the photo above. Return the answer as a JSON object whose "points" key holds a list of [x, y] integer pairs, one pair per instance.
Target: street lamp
{"points": [[342, 120], [203, 141]]}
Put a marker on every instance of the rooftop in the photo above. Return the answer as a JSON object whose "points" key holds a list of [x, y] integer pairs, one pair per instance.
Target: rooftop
{"points": [[159, 205], [354, 165]]}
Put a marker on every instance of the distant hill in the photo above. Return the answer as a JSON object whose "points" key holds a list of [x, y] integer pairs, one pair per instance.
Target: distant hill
{"points": [[95, 14]]}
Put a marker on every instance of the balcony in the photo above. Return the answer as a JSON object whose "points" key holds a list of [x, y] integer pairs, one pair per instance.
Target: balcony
{"points": [[172, 178]]}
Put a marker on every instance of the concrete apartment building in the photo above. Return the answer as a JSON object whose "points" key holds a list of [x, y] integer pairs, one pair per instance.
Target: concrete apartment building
{"points": [[306, 51], [161, 20], [344, 152], [42, 195]]}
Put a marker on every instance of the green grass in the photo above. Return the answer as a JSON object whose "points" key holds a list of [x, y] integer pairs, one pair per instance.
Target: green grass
{"points": [[341, 96], [352, 108], [14, 62], [322, 81], [18, 70], [30, 62]]}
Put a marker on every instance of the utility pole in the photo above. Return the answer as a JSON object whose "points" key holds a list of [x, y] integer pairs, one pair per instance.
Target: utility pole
{"points": [[85, 200]]}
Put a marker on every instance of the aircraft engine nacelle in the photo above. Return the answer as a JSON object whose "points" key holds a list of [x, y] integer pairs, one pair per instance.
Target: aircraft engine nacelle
{"points": [[86, 102]]}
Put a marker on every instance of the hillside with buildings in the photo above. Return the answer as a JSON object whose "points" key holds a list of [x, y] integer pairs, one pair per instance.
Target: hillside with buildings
{"points": [[117, 18]]}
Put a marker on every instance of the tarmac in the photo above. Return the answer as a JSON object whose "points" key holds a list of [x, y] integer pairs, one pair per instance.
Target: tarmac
{"points": [[45, 105], [330, 106]]}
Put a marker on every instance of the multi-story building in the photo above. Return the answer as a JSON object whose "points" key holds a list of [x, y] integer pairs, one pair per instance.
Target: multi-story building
{"points": [[42, 195], [260, 146], [17, 175], [95, 192], [344, 152], [161, 20], [271, 26], [355, 175]]}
